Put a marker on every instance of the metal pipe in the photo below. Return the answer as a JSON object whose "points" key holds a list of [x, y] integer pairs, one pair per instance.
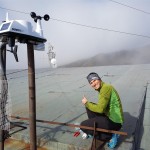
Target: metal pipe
{"points": [[3, 77], [1, 139], [73, 125], [93, 146], [32, 96]]}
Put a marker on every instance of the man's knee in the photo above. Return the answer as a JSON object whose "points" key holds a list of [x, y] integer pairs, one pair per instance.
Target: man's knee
{"points": [[84, 123]]}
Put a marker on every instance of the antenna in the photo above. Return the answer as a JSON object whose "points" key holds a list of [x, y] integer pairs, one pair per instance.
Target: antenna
{"points": [[7, 17]]}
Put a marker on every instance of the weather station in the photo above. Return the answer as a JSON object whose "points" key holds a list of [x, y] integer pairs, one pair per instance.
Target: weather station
{"points": [[11, 32], [52, 56], [22, 31]]}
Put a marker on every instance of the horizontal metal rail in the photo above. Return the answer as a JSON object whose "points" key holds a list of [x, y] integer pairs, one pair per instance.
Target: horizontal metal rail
{"points": [[73, 125]]}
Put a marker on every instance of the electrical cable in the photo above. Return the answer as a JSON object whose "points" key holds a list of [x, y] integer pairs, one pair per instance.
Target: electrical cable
{"points": [[88, 26], [99, 28], [130, 7], [14, 10]]}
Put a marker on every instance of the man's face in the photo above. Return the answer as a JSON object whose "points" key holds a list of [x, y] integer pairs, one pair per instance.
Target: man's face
{"points": [[95, 84]]}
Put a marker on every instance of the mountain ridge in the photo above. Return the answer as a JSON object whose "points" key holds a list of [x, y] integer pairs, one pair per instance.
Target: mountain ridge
{"points": [[122, 57]]}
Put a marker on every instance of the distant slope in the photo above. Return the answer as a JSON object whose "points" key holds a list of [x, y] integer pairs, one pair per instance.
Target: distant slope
{"points": [[123, 57]]}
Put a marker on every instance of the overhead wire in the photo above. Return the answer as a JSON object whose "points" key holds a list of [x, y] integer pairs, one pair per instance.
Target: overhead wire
{"points": [[14, 10], [99, 28], [93, 27], [140, 10]]}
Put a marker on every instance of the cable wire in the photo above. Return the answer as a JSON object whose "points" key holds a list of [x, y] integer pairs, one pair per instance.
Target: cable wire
{"points": [[130, 7], [14, 10], [99, 28], [88, 26]]}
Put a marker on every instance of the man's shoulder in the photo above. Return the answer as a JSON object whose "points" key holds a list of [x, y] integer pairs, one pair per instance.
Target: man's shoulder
{"points": [[106, 85]]}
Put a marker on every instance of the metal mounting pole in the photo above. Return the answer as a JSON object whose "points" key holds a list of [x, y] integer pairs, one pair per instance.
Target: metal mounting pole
{"points": [[1, 139], [32, 96], [3, 75]]}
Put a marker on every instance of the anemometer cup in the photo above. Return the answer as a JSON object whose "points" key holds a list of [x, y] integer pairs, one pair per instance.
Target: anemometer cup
{"points": [[46, 17], [35, 17]]}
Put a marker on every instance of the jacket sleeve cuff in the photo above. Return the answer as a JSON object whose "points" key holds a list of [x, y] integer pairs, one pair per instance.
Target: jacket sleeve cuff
{"points": [[87, 104]]}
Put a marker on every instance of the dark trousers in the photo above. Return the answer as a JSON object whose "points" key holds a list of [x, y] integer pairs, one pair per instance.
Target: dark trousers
{"points": [[102, 121]]}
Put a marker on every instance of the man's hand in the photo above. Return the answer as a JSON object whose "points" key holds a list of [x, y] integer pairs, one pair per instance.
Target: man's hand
{"points": [[84, 100]]}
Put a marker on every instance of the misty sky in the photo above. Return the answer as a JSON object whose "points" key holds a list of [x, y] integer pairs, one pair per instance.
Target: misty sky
{"points": [[73, 42]]}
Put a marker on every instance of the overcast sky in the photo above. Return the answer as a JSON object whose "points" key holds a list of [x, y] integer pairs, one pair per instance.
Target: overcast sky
{"points": [[72, 41]]}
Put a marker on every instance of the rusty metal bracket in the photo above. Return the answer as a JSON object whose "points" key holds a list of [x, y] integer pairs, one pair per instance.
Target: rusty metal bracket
{"points": [[73, 125]]}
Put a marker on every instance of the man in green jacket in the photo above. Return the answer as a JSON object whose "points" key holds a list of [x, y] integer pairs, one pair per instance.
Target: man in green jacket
{"points": [[107, 113]]}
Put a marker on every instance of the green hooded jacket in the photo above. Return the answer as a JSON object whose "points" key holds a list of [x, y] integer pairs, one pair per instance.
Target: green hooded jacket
{"points": [[108, 103]]}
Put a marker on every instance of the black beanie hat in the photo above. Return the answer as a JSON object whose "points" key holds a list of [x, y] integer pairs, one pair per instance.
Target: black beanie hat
{"points": [[93, 76]]}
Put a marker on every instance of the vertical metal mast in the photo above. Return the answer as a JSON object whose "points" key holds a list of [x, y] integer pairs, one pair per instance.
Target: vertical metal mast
{"points": [[3, 91], [32, 96]]}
